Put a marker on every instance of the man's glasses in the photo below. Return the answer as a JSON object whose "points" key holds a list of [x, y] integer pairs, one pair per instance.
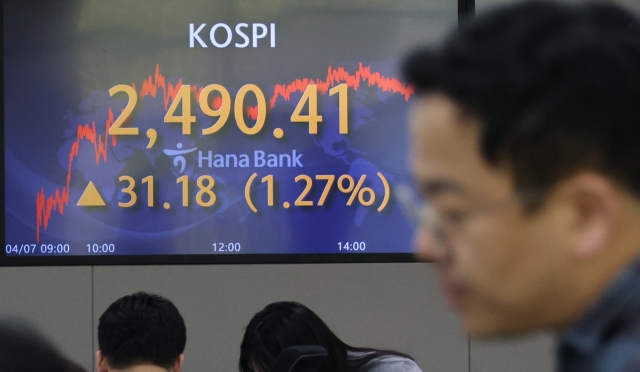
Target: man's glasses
{"points": [[444, 227]]}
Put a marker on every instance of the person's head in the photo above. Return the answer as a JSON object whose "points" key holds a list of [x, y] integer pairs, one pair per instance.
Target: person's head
{"points": [[23, 349], [281, 325], [284, 324], [141, 332], [526, 145]]}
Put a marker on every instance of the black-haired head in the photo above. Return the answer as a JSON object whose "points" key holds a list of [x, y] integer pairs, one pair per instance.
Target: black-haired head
{"points": [[139, 329], [555, 85], [284, 324]]}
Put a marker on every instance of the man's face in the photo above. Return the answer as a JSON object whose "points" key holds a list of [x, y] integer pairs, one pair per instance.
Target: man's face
{"points": [[501, 267]]}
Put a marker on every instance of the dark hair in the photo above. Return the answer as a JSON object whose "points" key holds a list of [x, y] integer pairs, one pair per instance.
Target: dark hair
{"points": [[556, 86], [23, 349], [141, 329], [283, 324]]}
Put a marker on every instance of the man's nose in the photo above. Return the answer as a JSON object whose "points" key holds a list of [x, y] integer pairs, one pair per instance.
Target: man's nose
{"points": [[427, 247]]}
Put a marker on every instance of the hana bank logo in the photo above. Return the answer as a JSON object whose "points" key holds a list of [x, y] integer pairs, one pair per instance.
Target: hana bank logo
{"points": [[179, 160]]}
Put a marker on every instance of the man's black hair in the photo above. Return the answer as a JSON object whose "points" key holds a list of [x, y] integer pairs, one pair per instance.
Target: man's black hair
{"points": [[141, 329], [555, 85]]}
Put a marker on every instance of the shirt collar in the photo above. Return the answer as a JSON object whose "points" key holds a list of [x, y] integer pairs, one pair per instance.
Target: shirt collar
{"points": [[618, 306]]}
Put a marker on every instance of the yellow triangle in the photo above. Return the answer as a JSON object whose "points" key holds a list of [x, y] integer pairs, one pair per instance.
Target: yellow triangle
{"points": [[91, 197]]}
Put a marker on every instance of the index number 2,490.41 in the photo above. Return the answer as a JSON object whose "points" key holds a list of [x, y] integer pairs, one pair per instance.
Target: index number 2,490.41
{"points": [[223, 110]]}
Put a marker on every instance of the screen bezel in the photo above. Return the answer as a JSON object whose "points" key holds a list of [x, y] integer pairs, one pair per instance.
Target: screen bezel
{"points": [[466, 10]]}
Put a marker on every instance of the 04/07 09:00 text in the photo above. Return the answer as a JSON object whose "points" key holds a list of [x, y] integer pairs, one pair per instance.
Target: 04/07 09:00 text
{"points": [[12, 249]]}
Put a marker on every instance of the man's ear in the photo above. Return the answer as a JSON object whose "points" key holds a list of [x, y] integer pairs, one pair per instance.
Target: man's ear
{"points": [[596, 204], [101, 362], [177, 367]]}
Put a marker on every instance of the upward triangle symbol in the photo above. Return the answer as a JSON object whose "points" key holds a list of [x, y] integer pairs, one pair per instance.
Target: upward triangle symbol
{"points": [[91, 197]]}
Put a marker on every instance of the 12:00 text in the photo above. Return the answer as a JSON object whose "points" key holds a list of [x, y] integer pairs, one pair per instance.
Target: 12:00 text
{"points": [[228, 247]]}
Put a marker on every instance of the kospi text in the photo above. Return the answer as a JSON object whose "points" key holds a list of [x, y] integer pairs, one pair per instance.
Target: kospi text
{"points": [[221, 35]]}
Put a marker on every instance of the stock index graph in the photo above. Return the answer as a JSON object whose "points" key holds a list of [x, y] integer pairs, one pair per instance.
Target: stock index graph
{"points": [[219, 138]]}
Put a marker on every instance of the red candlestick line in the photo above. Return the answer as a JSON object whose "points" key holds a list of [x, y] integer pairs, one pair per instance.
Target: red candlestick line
{"points": [[216, 103], [335, 76], [340, 75], [46, 205], [153, 83], [252, 112], [150, 86]]}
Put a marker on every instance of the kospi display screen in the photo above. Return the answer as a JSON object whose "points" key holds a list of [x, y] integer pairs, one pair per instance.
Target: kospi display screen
{"points": [[208, 131]]}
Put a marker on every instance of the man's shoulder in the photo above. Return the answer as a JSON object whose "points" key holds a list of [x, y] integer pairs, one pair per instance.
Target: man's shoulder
{"points": [[617, 352], [607, 337], [621, 352]]}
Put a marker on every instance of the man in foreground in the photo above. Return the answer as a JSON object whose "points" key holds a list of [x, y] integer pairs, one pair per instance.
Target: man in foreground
{"points": [[526, 144], [141, 333]]}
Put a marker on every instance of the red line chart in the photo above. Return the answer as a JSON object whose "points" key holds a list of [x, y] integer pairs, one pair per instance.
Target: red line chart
{"points": [[157, 85]]}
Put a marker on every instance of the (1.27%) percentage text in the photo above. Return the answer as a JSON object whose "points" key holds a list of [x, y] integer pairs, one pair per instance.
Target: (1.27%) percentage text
{"points": [[346, 184]]}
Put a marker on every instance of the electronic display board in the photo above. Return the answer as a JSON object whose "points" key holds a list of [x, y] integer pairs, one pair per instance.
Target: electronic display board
{"points": [[148, 131]]}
